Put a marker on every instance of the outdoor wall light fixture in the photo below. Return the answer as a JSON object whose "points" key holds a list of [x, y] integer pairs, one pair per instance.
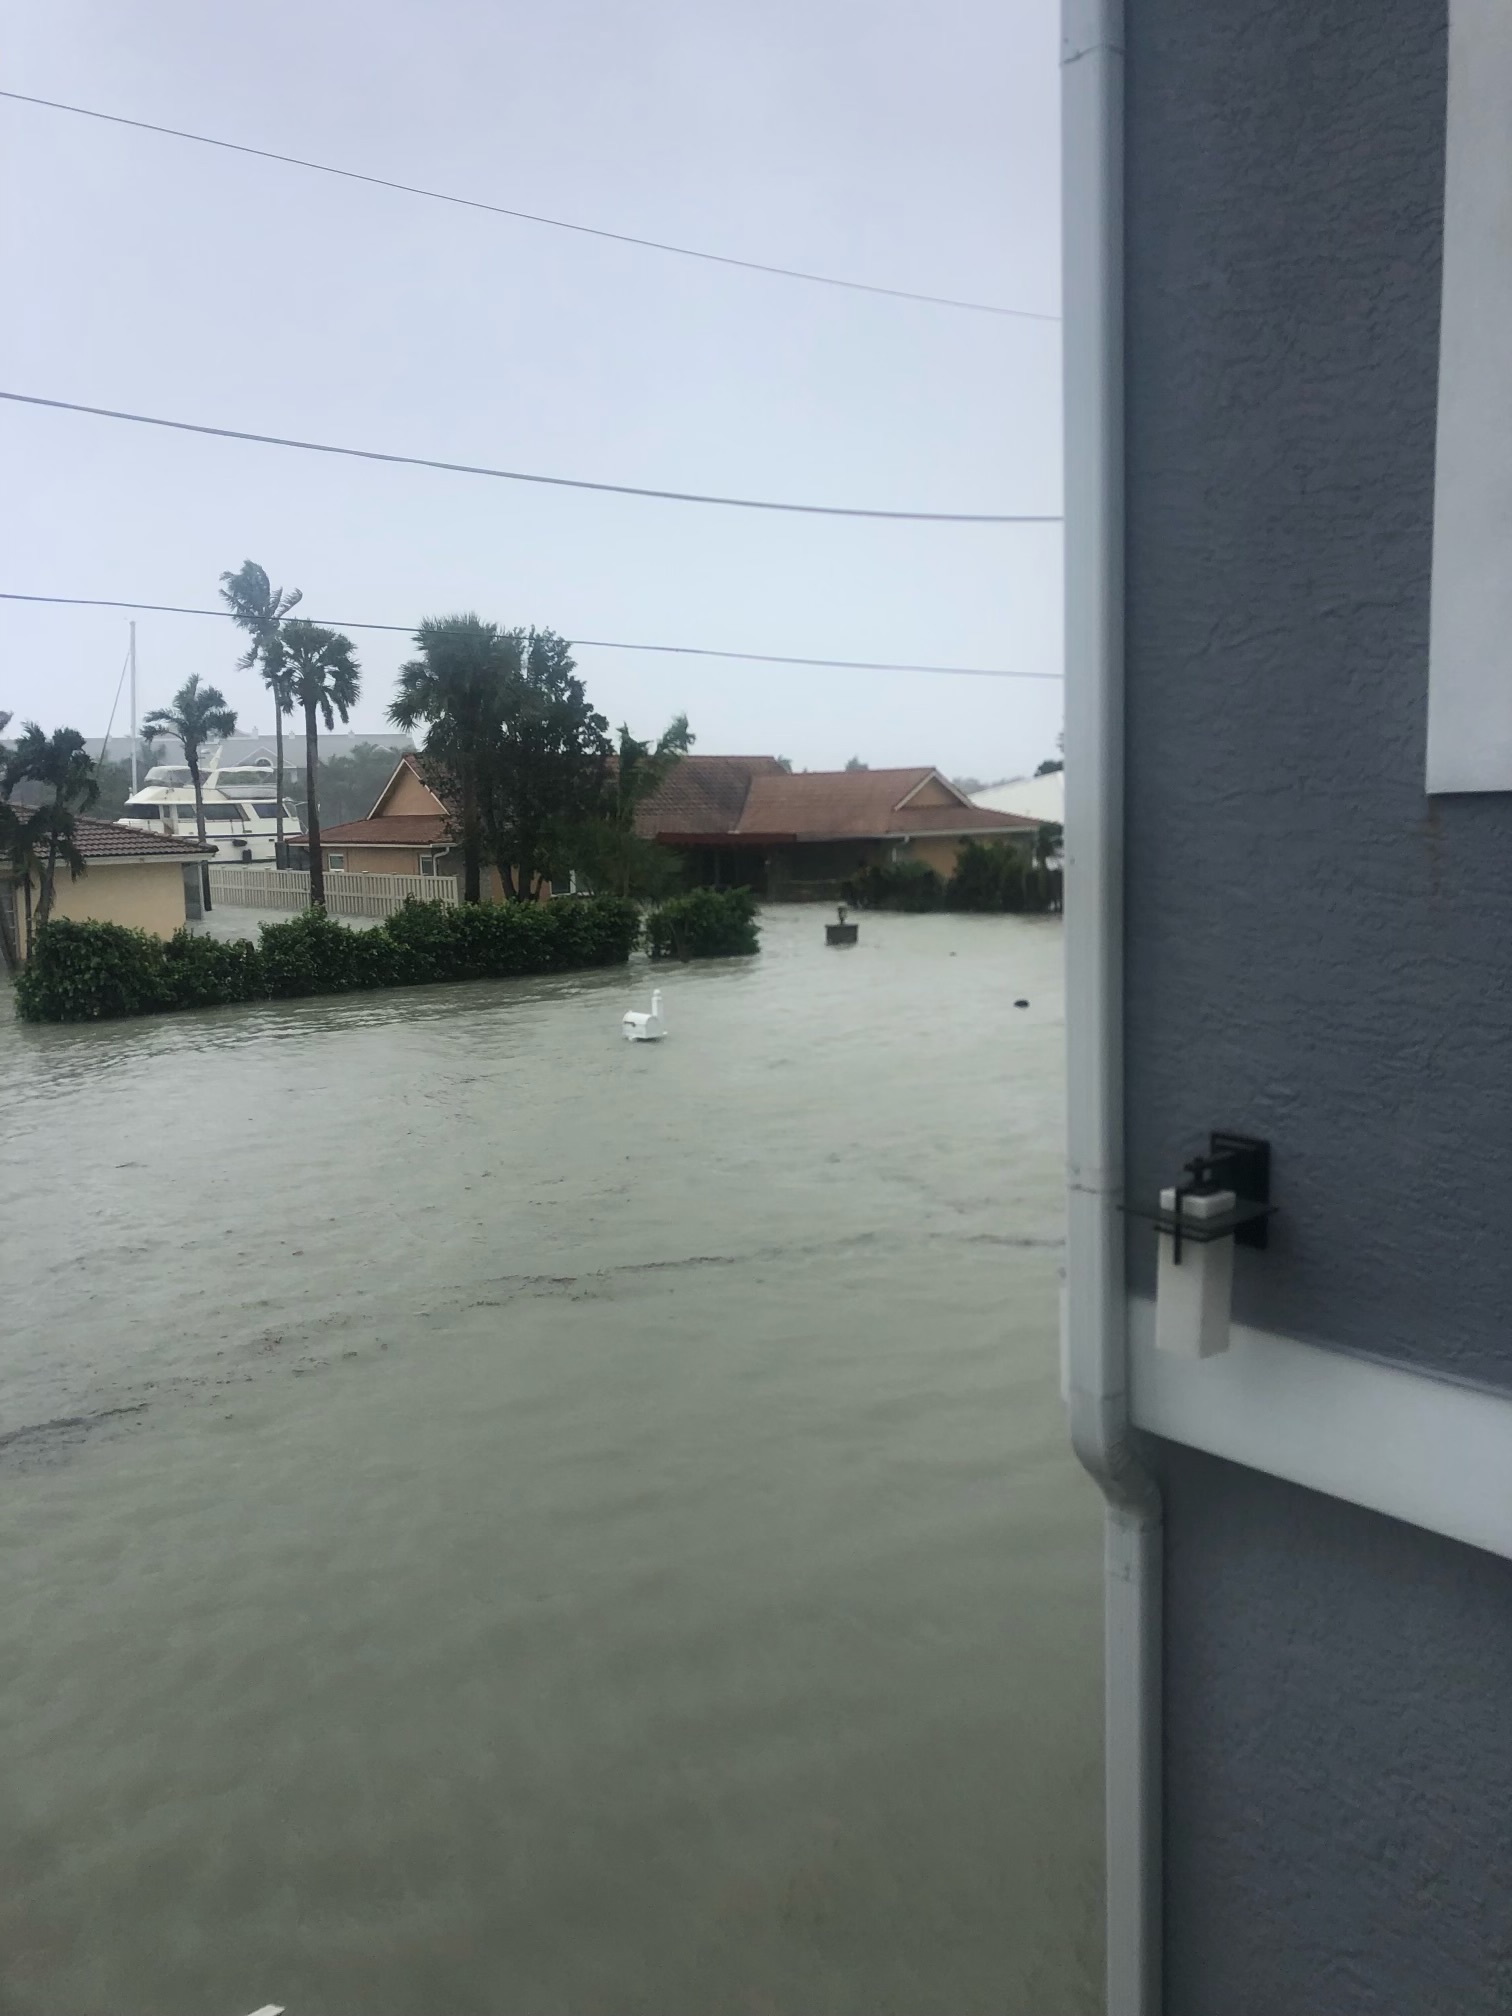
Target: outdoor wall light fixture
{"points": [[1222, 1201]]}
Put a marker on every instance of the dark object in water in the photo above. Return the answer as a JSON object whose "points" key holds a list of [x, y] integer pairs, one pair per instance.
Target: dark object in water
{"points": [[1021, 1004], [841, 933]]}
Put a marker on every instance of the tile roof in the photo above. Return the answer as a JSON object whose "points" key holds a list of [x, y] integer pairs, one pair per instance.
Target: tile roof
{"points": [[704, 794], [103, 840], [955, 819], [392, 829], [754, 797], [843, 803]]}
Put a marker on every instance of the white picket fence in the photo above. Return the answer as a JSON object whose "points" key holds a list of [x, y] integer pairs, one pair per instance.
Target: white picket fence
{"points": [[346, 894]]}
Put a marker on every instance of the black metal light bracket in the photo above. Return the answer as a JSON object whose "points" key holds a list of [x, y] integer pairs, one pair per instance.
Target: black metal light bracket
{"points": [[1237, 1162]]}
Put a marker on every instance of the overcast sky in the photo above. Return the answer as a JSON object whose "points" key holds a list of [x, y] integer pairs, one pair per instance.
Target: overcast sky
{"points": [[909, 142]]}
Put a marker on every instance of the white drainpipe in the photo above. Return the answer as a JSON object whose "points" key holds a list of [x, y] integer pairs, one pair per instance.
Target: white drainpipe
{"points": [[1092, 76]]}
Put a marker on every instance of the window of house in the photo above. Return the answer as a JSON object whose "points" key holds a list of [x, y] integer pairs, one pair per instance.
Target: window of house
{"points": [[336, 861], [427, 864]]}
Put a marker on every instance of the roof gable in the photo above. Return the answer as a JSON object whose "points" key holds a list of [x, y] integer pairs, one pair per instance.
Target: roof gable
{"points": [[933, 790], [407, 795]]}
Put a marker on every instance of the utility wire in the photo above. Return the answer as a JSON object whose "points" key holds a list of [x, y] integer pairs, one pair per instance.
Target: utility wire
{"points": [[523, 476], [530, 216], [582, 643]]}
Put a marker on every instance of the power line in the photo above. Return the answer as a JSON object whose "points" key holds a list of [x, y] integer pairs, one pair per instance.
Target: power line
{"points": [[531, 216], [523, 476], [583, 643]]}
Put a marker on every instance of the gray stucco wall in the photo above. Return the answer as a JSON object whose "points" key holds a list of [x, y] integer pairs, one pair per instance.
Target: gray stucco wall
{"points": [[1337, 1758], [1316, 953]]}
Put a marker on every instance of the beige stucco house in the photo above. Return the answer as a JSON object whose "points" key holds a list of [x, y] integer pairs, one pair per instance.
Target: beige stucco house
{"points": [[737, 819], [748, 819], [143, 879], [408, 832]]}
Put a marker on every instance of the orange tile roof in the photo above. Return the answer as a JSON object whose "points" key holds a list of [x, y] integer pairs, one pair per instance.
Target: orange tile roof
{"points": [[393, 829], [103, 840], [959, 819], [838, 803], [746, 799], [704, 794]]}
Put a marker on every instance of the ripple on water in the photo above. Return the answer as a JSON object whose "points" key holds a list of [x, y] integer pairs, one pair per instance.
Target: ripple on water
{"points": [[501, 1518]]}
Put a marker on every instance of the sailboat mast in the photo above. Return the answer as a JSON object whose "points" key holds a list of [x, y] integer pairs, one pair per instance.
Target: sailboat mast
{"points": [[133, 711]]}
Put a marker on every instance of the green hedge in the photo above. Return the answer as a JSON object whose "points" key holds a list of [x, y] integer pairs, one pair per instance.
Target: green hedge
{"points": [[82, 972], [989, 876], [1001, 875], [895, 885], [704, 924]]}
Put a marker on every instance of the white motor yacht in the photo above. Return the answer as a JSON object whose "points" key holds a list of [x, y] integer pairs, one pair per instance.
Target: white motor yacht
{"points": [[241, 807]]}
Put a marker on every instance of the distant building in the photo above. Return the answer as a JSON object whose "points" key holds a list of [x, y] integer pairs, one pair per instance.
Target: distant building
{"points": [[748, 820], [740, 821], [246, 749], [143, 879], [408, 832], [1039, 798]]}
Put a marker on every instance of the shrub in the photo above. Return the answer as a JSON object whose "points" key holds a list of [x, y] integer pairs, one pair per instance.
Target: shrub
{"points": [[310, 954], [988, 878], [82, 972], [704, 924], [895, 885], [426, 943], [206, 972], [1001, 875]]}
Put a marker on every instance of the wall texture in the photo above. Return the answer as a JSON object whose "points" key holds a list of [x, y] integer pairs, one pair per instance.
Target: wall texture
{"points": [[1338, 1766], [1318, 953], [146, 895]]}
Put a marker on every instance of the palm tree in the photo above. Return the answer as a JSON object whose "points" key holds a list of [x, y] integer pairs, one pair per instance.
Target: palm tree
{"points": [[259, 608], [455, 687], [60, 764], [199, 714], [640, 770], [20, 859], [324, 679]]}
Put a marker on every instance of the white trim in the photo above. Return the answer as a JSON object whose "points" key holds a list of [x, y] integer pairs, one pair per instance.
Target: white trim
{"points": [[94, 861], [1027, 831], [1092, 380], [1428, 1451], [934, 777], [1470, 614], [376, 812], [404, 763]]}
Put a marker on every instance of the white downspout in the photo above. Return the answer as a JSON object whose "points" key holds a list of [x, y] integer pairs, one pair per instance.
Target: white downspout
{"points": [[1092, 142]]}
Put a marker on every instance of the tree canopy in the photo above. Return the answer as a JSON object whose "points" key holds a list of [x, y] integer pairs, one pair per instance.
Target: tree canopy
{"points": [[457, 690], [324, 680], [40, 836], [260, 609], [607, 851], [544, 766]]}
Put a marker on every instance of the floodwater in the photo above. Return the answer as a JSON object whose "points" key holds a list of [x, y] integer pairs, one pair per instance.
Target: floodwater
{"points": [[498, 1519]]}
